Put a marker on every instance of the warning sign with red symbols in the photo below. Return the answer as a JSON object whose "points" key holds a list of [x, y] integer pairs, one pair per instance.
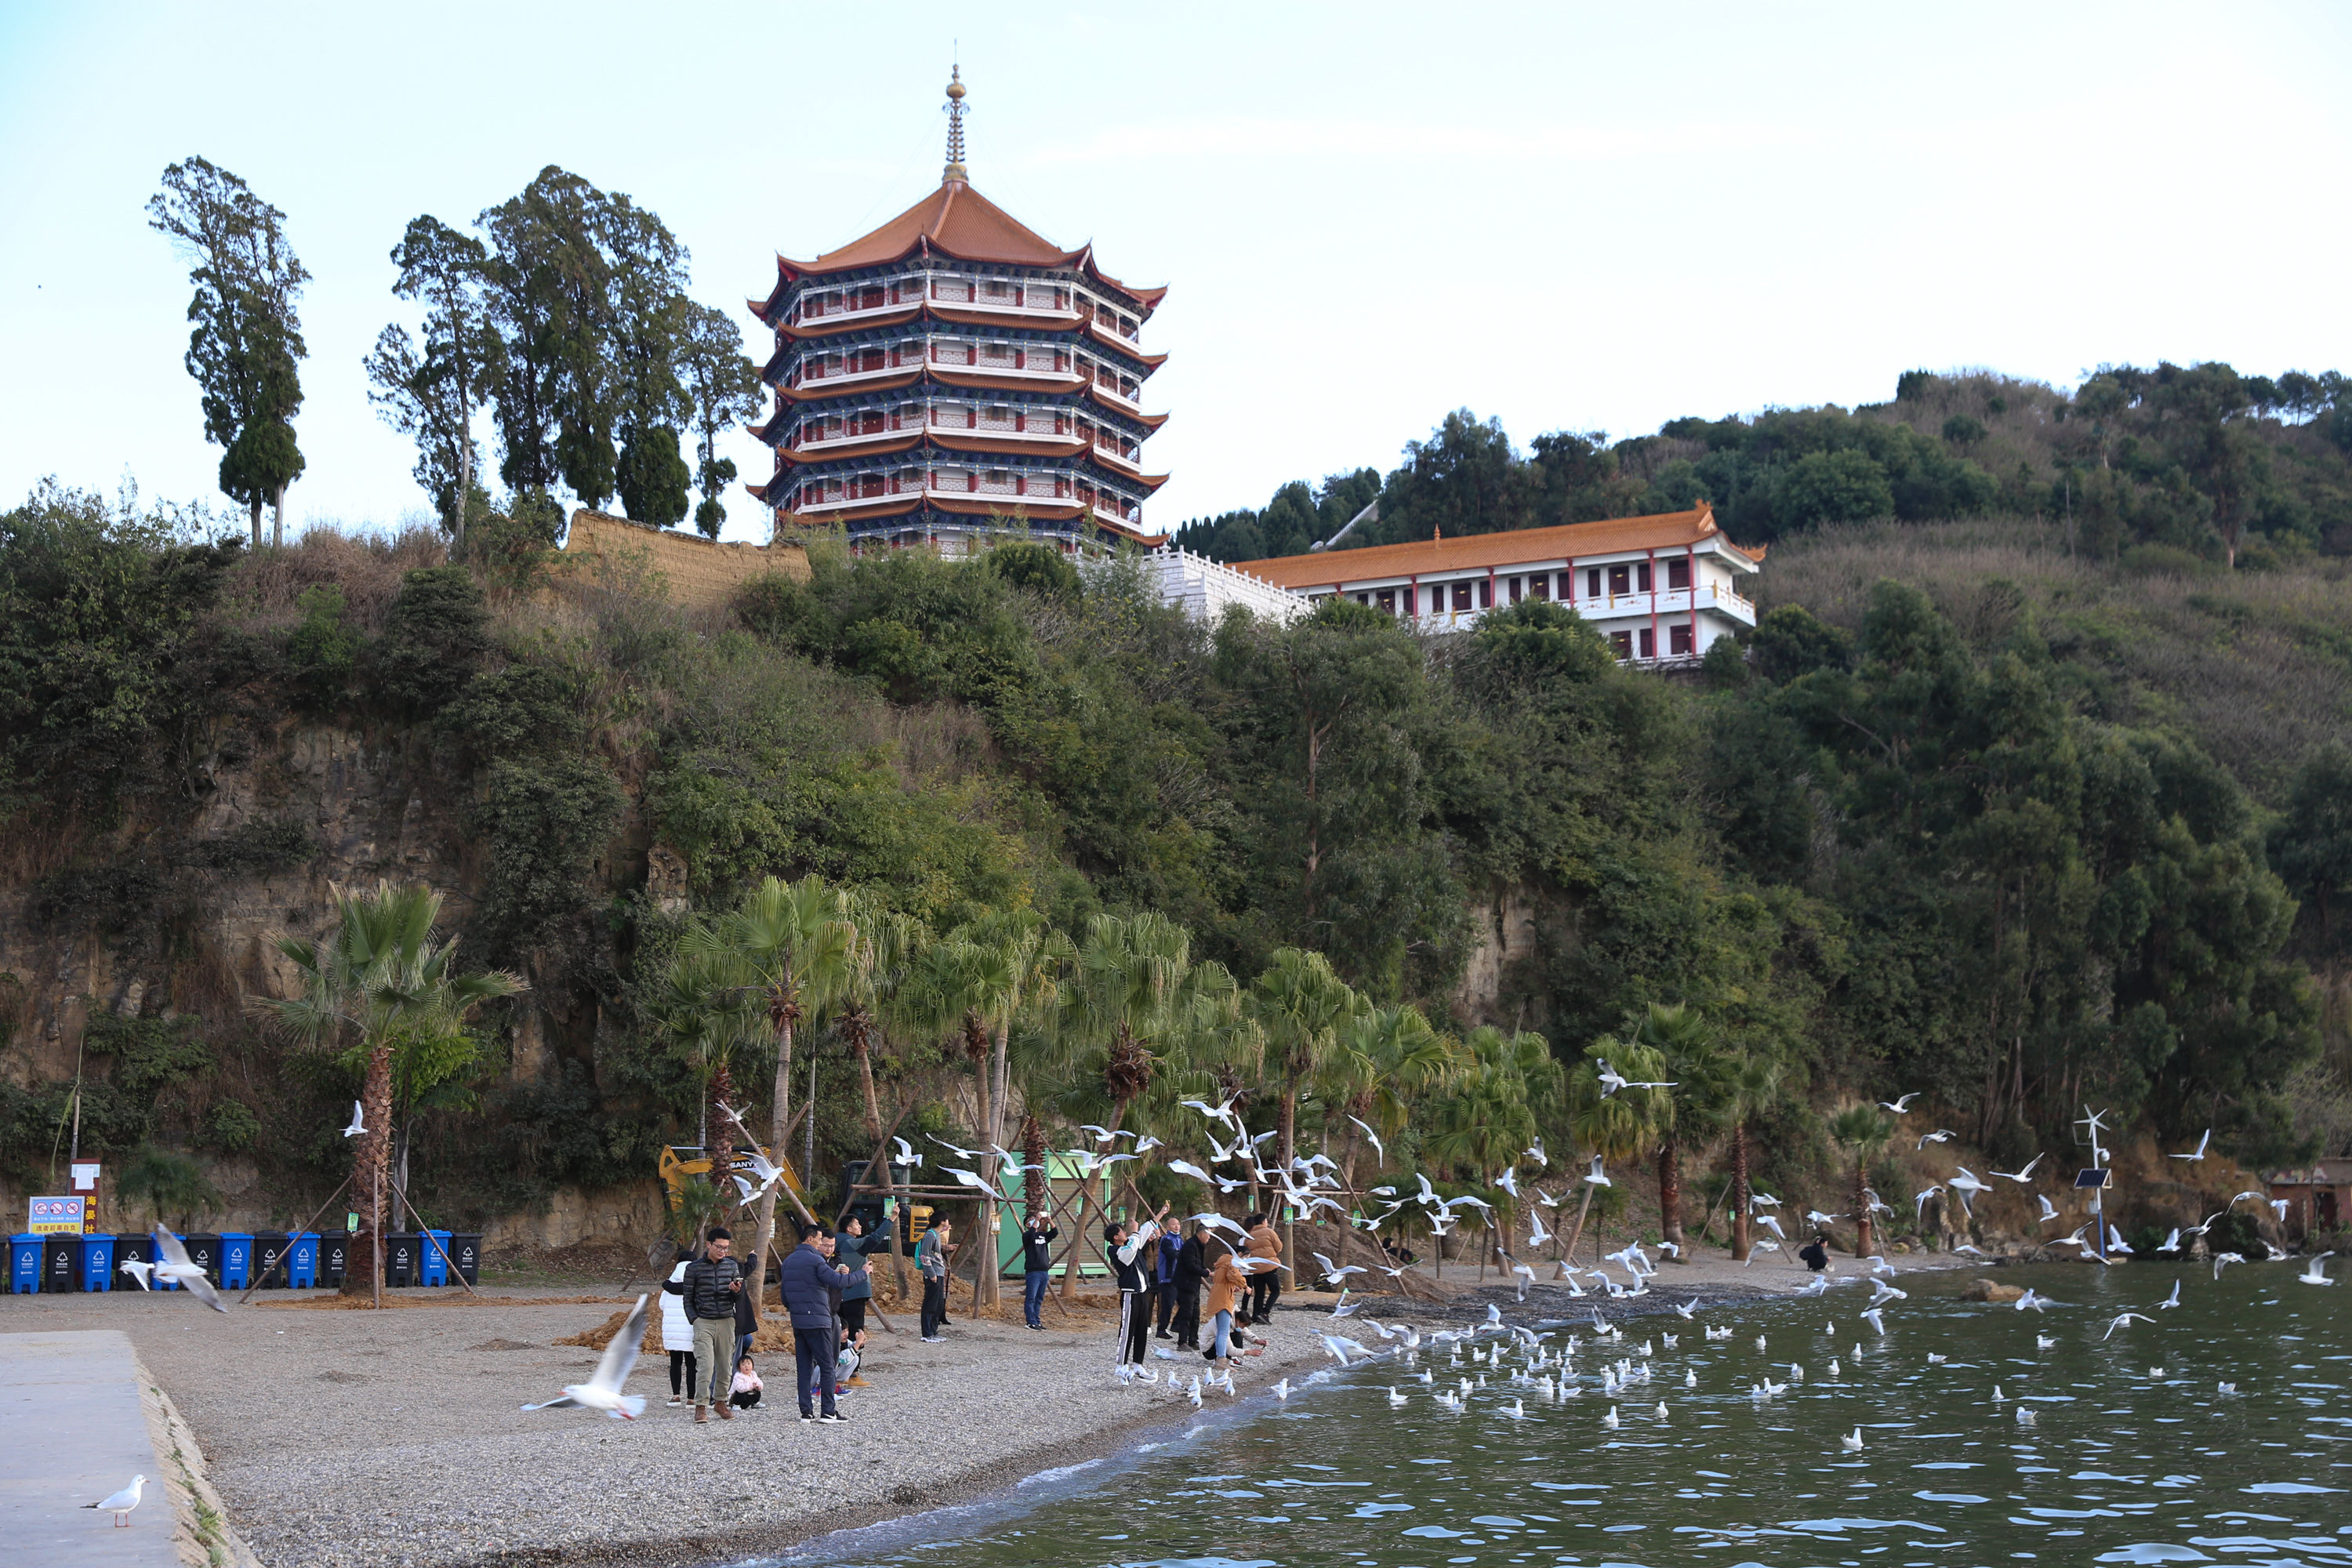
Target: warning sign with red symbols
{"points": [[56, 1217]]}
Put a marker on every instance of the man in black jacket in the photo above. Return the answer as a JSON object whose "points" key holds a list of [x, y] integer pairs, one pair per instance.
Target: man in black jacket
{"points": [[713, 1284], [1192, 1266], [811, 1283], [1036, 1262]]}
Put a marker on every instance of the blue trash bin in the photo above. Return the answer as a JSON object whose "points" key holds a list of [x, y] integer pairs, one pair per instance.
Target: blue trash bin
{"points": [[302, 1262], [98, 1263], [23, 1264], [236, 1269], [433, 1258]]}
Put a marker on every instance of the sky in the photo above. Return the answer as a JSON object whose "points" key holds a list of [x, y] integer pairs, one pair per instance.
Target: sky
{"points": [[1565, 217]]}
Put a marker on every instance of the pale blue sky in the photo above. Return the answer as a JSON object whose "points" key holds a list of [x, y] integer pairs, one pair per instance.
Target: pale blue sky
{"points": [[1568, 217]]}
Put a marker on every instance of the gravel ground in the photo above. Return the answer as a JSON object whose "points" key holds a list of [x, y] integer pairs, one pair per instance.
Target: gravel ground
{"points": [[358, 1439], [379, 1438]]}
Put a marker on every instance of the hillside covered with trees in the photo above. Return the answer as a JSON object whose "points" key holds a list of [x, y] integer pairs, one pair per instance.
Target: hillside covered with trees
{"points": [[2198, 461], [1967, 815]]}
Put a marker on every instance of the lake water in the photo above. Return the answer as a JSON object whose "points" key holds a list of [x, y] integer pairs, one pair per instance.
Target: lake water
{"points": [[2133, 1453]]}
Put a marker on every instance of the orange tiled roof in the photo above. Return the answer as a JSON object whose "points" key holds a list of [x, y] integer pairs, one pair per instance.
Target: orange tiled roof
{"points": [[959, 222], [1618, 535]]}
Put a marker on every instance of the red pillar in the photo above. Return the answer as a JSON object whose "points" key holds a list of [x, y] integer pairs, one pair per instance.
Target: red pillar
{"points": [[1690, 555]]}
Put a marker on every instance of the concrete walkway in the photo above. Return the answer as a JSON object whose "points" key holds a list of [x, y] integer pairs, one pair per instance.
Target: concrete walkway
{"points": [[73, 1430]]}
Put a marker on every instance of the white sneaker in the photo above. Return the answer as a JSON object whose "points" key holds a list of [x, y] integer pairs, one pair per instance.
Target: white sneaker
{"points": [[935, 1338]]}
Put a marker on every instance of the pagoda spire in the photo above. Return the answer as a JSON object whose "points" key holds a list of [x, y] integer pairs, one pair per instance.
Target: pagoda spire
{"points": [[955, 172]]}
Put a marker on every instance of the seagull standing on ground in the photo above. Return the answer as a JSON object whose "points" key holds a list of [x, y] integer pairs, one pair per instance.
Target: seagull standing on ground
{"points": [[120, 1504], [602, 1389]]}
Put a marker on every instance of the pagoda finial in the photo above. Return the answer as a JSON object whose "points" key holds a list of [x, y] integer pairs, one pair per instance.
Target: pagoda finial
{"points": [[956, 111]]}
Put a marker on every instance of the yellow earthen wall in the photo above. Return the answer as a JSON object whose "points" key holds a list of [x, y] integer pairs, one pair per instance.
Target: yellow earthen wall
{"points": [[700, 573]]}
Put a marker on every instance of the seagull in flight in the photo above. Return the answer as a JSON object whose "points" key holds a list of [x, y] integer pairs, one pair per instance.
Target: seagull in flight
{"points": [[2198, 1152], [906, 1155], [2023, 1176], [1968, 1185], [1536, 1152], [1594, 1176], [959, 1153], [1373, 1138], [2312, 1274], [359, 1121], [1940, 1136], [602, 1389], [1919, 1199], [1333, 1271], [2031, 1299], [2120, 1319], [2050, 1212], [2172, 1300], [2223, 1260], [172, 1263], [1898, 1105]]}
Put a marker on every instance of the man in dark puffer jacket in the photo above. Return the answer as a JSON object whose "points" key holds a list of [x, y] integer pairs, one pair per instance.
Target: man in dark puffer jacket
{"points": [[712, 1283]]}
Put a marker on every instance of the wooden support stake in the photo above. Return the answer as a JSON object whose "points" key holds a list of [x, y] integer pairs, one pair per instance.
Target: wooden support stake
{"points": [[426, 1232], [279, 1261]]}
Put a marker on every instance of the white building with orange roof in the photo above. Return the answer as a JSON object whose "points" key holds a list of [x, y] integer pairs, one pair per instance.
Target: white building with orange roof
{"points": [[1662, 589]]}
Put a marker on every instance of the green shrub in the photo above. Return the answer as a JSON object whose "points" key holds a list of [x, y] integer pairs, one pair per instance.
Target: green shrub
{"points": [[107, 899], [150, 1054], [232, 1127], [324, 650], [256, 844], [435, 637]]}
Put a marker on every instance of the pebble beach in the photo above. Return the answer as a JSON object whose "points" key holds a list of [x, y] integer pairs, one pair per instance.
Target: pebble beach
{"points": [[394, 1439]]}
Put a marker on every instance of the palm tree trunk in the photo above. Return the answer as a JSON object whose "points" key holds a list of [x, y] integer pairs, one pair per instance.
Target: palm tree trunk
{"points": [[1670, 1196], [779, 1126], [1574, 1235], [374, 1157], [722, 1137], [865, 1082], [1289, 1155], [988, 1262], [1860, 1211], [1742, 1237], [1086, 1215]]}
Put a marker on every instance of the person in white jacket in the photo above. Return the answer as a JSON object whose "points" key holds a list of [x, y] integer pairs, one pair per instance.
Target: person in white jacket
{"points": [[677, 1334]]}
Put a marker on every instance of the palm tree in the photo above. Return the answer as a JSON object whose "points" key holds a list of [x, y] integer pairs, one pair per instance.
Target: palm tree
{"points": [[1691, 1058], [1302, 1009], [1003, 970], [797, 945], [1861, 1131], [1487, 1124], [378, 986], [1750, 1085], [1617, 1126], [1135, 1000], [703, 1005]]}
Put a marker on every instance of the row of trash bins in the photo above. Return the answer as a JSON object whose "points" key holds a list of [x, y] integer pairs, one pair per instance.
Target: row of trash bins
{"points": [[233, 1259]]}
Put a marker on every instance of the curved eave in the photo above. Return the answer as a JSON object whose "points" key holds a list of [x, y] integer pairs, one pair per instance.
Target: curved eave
{"points": [[899, 383], [974, 444], [1132, 476], [973, 381], [1150, 421], [885, 318], [881, 446], [1025, 320], [1119, 345], [1149, 541]]}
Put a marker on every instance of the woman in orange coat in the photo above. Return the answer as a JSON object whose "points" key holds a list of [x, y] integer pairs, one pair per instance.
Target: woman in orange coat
{"points": [[1227, 1284]]}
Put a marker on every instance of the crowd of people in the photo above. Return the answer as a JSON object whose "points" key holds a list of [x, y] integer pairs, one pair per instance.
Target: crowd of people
{"points": [[710, 1318]]}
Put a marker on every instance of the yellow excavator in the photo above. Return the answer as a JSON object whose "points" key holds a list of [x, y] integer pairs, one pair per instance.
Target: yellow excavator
{"points": [[679, 1162]]}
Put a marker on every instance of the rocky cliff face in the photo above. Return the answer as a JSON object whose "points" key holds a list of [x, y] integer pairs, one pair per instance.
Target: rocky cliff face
{"points": [[175, 912]]}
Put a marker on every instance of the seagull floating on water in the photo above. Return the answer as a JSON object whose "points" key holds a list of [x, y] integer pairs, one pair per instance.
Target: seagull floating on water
{"points": [[1851, 1441]]}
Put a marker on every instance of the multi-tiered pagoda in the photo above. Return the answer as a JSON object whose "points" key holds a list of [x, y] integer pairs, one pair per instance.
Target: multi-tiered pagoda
{"points": [[953, 375]]}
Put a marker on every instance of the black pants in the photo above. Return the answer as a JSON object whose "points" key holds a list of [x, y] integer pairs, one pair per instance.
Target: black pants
{"points": [[745, 1400], [1134, 1326], [1266, 1289], [681, 1361], [812, 1352], [935, 1307], [1163, 1304], [1187, 1319], [852, 1317]]}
